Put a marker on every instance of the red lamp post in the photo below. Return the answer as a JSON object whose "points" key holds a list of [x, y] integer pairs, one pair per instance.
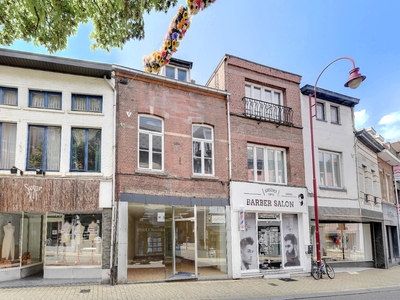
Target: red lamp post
{"points": [[353, 82]]}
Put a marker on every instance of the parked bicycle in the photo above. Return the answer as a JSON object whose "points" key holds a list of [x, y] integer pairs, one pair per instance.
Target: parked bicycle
{"points": [[324, 268]]}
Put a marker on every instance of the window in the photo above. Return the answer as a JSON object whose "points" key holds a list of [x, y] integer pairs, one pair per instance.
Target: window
{"points": [[320, 111], [87, 103], [266, 164], [176, 73], [263, 93], [86, 149], [44, 148], [329, 169], [150, 143], [8, 96], [335, 114], [50, 100], [203, 150], [8, 142]]}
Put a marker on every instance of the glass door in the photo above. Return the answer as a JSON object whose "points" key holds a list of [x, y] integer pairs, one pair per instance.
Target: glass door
{"points": [[184, 244], [269, 244]]}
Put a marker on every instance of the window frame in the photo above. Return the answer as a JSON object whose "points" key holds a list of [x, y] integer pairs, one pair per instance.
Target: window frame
{"points": [[4, 88], [263, 89], [87, 103], [151, 134], [202, 150], [317, 116], [336, 108], [44, 151], [265, 171], [1, 145], [86, 154], [176, 73], [45, 99], [335, 185]]}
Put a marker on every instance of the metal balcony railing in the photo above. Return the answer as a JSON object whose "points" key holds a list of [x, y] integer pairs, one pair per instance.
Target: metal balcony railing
{"points": [[266, 111]]}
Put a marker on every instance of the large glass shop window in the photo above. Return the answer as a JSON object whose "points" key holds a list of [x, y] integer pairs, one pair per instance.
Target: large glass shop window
{"points": [[10, 228], [73, 240], [346, 241]]}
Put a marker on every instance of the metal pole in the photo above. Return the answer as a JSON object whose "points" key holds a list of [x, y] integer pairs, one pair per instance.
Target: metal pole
{"points": [[317, 236]]}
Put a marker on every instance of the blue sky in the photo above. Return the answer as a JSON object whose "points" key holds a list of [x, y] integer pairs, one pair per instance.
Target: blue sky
{"points": [[297, 36]]}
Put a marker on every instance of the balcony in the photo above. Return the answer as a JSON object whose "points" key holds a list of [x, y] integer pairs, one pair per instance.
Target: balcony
{"points": [[267, 111]]}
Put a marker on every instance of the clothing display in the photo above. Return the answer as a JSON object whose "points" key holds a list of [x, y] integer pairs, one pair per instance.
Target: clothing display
{"points": [[8, 242], [66, 232], [78, 232], [92, 228]]}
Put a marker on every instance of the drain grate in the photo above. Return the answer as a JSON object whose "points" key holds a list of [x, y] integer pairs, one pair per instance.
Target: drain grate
{"points": [[287, 279], [85, 291]]}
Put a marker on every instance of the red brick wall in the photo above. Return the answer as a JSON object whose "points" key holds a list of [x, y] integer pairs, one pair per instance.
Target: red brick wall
{"points": [[179, 106]]}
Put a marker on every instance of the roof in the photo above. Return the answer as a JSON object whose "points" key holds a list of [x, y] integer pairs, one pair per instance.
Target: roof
{"points": [[330, 96], [368, 140], [19, 59]]}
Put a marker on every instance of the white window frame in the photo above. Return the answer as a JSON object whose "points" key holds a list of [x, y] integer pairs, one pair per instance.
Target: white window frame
{"points": [[176, 72], [279, 178], [323, 179], [263, 89], [151, 134], [201, 156], [335, 110]]}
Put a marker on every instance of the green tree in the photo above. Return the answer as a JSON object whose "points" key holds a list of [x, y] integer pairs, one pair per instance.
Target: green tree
{"points": [[51, 22]]}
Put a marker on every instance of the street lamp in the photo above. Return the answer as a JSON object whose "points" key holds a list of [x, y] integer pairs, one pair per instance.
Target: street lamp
{"points": [[353, 82]]}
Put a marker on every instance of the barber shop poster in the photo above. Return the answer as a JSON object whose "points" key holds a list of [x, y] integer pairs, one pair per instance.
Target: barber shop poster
{"points": [[290, 243], [248, 243]]}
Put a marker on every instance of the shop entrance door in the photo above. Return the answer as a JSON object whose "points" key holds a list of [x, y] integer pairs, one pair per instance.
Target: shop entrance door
{"points": [[269, 241], [184, 244]]}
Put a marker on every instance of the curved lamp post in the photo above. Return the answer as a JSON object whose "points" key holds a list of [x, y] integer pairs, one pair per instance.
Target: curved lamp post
{"points": [[353, 82]]}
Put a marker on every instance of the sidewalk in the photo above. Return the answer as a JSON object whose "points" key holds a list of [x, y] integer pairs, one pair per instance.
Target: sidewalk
{"points": [[348, 281]]}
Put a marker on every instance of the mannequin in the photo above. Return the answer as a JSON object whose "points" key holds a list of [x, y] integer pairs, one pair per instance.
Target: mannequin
{"points": [[92, 228], [66, 232], [8, 241], [79, 228]]}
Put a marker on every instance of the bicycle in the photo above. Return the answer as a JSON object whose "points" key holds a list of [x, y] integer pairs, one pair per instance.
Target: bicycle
{"points": [[324, 268]]}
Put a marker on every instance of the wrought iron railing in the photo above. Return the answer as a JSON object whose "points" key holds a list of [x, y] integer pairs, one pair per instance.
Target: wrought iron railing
{"points": [[267, 111]]}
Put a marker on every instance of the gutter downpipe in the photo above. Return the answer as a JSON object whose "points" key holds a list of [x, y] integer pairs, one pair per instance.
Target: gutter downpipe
{"points": [[114, 219]]}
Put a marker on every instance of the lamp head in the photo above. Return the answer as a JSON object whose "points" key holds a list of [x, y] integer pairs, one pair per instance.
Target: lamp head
{"points": [[355, 79]]}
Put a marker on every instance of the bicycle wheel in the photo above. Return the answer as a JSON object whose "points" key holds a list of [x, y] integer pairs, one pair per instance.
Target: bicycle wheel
{"points": [[330, 271], [314, 271]]}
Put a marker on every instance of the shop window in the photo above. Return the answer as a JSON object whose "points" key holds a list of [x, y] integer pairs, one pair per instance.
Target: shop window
{"points": [[8, 141], [32, 239], [44, 148], [248, 243], [10, 225], [73, 240], [266, 164], [203, 150], [86, 149], [151, 143]]}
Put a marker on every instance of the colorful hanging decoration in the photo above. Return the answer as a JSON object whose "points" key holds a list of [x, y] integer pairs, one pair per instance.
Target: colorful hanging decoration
{"points": [[177, 29]]}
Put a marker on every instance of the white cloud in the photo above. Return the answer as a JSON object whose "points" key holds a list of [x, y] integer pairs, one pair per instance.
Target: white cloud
{"points": [[393, 117], [360, 118]]}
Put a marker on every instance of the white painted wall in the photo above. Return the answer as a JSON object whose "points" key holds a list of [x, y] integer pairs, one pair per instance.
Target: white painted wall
{"points": [[336, 138], [27, 79]]}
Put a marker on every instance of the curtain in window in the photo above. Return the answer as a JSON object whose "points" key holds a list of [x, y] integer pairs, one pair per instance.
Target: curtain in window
{"points": [[54, 101], [8, 145], [250, 163], [80, 103], [37, 100], [94, 147], [78, 149], [94, 104], [10, 97], [271, 166], [53, 148], [260, 164]]}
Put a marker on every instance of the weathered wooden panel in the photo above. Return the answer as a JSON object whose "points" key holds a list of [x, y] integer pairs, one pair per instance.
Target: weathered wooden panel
{"points": [[41, 195]]}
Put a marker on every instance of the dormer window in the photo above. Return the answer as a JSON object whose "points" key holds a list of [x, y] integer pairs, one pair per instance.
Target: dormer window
{"points": [[178, 69]]}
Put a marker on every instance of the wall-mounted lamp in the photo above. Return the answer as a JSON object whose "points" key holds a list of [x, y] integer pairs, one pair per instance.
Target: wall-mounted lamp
{"points": [[14, 170], [40, 172]]}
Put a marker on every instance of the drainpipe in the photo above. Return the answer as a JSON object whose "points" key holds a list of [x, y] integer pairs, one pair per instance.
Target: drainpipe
{"points": [[114, 212]]}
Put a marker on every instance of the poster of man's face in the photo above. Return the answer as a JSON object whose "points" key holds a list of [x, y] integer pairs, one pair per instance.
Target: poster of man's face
{"points": [[290, 240], [248, 243]]}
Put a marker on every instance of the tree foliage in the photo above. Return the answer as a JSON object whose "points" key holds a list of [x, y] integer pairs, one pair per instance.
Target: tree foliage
{"points": [[51, 22]]}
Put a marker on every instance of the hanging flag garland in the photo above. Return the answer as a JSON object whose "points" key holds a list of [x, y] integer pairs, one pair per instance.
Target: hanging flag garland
{"points": [[177, 29]]}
